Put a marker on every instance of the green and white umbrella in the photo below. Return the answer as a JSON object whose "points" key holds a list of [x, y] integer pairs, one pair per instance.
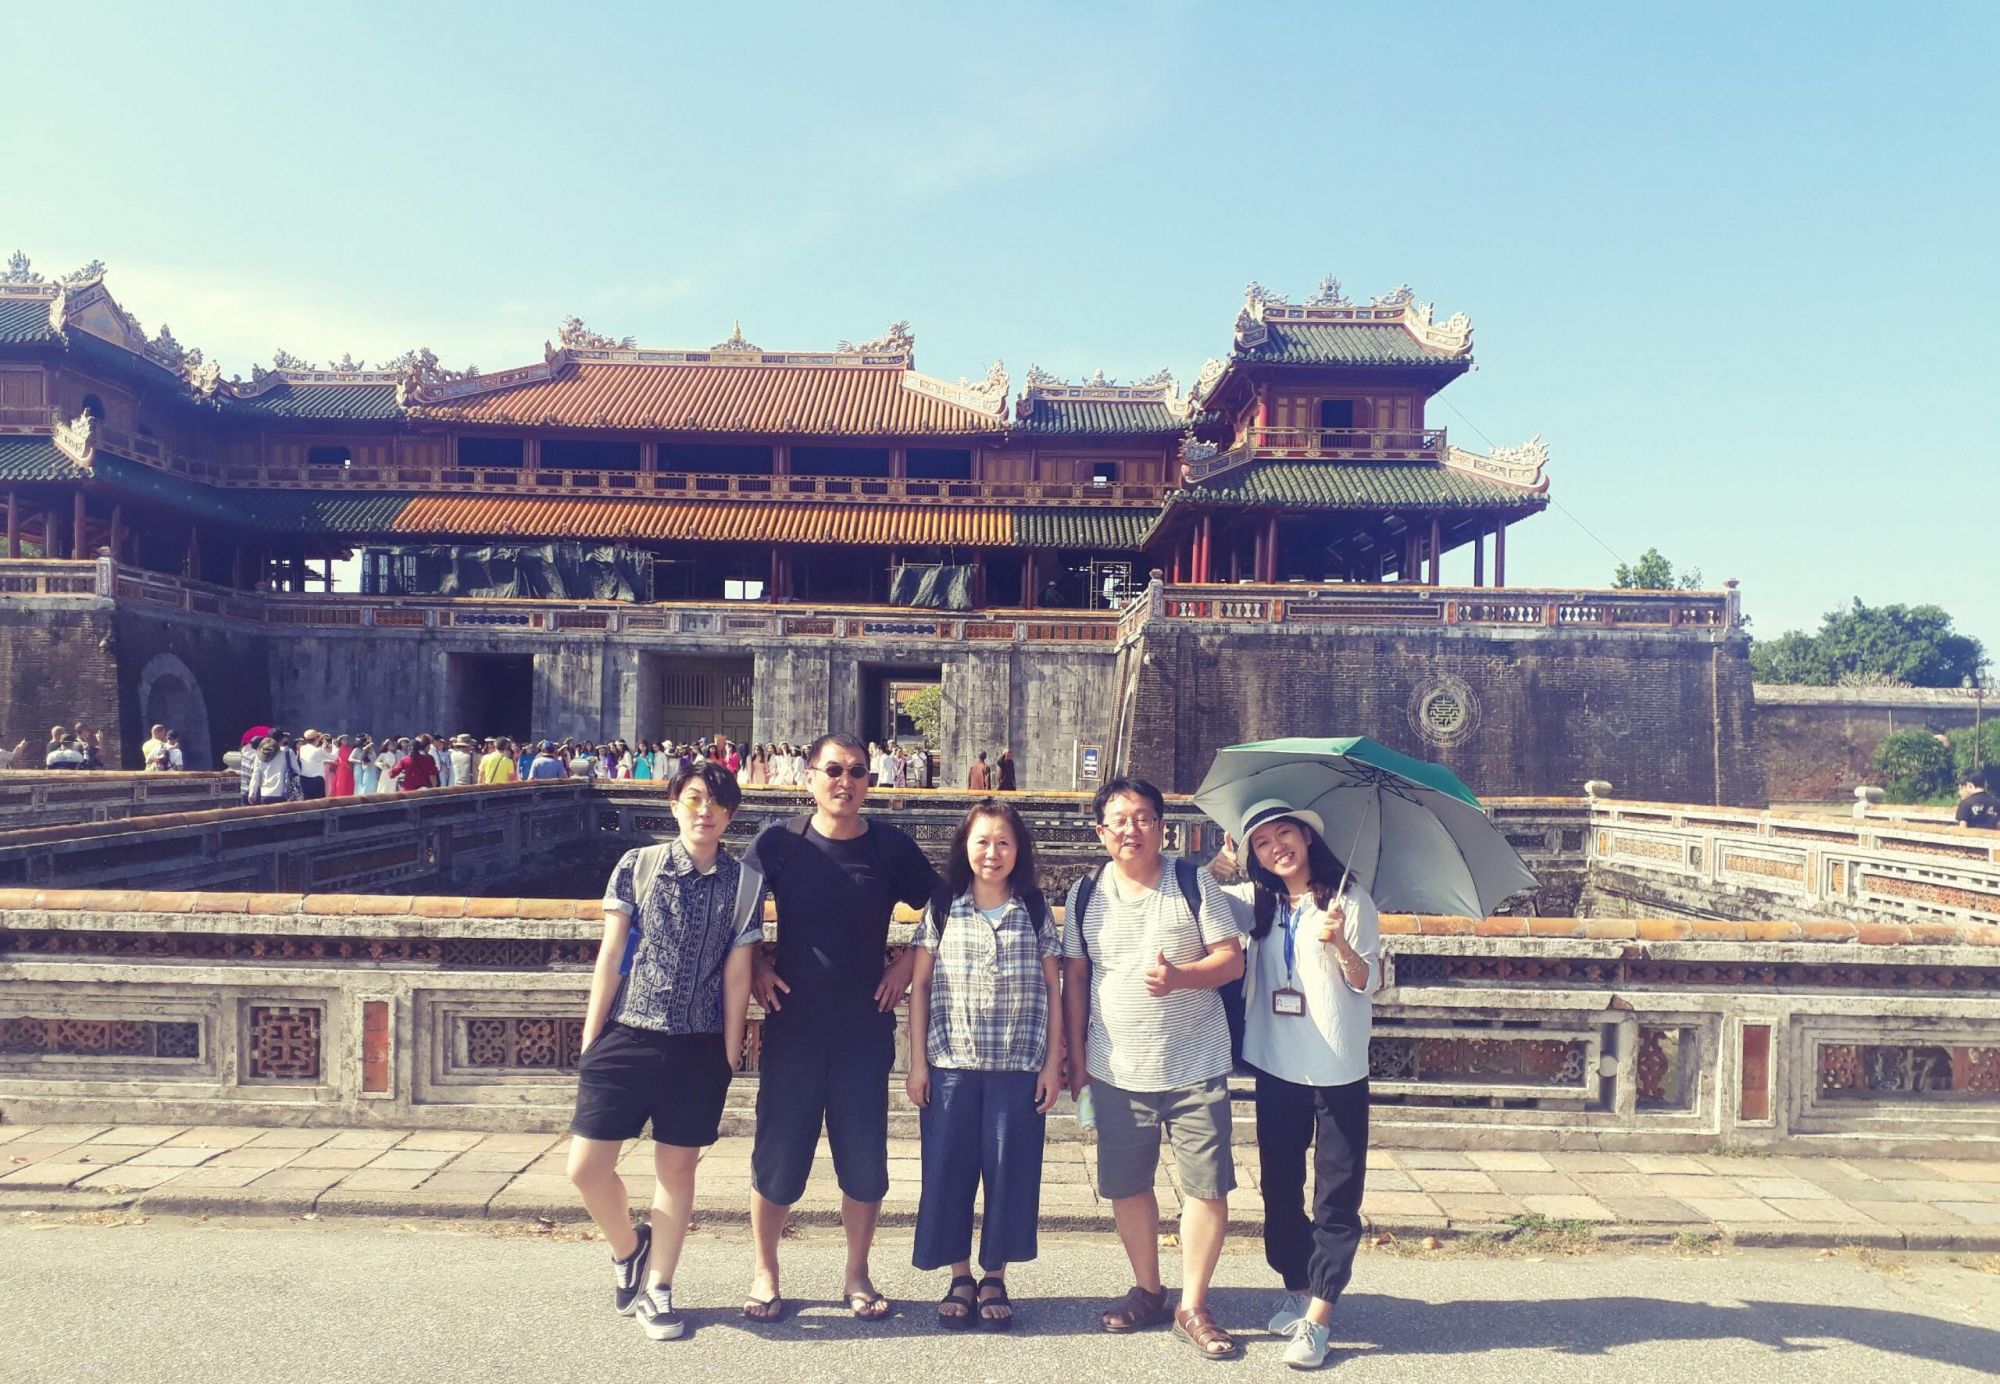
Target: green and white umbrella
{"points": [[1409, 830]]}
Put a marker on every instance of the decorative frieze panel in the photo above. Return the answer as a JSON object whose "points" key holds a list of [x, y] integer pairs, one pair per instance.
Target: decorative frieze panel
{"points": [[506, 953], [1470, 1060], [107, 1038], [1873, 1071], [282, 1043], [1597, 972], [1667, 1068], [536, 1043]]}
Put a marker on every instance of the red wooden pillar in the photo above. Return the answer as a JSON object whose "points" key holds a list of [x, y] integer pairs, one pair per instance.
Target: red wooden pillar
{"points": [[1437, 551], [76, 547], [1207, 547], [1479, 559], [1271, 549], [1235, 562], [771, 592], [13, 526], [1500, 555], [1028, 580]]}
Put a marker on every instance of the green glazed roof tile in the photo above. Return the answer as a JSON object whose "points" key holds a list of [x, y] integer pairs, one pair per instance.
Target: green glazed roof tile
{"points": [[290, 400], [34, 459], [1346, 343], [25, 320], [1081, 528], [1358, 485]]}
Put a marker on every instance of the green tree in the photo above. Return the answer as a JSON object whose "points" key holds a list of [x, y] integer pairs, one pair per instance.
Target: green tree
{"points": [[1914, 645], [1914, 766], [926, 710], [1989, 746], [1654, 572]]}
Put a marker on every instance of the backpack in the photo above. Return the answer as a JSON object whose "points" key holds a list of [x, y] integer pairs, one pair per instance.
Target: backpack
{"points": [[1187, 881]]}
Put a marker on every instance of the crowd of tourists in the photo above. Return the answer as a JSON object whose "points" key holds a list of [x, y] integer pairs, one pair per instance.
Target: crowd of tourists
{"points": [[1122, 1007]]}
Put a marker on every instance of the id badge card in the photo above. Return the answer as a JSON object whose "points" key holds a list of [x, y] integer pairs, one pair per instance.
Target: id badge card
{"points": [[1288, 1002]]}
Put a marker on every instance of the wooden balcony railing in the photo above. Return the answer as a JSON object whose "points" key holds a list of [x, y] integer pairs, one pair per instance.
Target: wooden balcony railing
{"points": [[1325, 444], [1338, 603]]}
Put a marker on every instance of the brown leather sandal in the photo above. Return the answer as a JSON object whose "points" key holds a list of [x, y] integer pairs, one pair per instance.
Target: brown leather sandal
{"points": [[1199, 1330], [1138, 1310]]}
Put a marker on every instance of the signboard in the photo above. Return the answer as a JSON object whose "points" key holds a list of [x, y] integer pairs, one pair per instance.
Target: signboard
{"points": [[1089, 764]]}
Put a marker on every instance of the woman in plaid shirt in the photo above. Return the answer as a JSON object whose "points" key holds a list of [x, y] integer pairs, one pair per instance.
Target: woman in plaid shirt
{"points": [[985, 1060]]}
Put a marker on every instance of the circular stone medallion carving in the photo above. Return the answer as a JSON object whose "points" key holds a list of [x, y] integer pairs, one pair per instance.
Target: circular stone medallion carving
{"points": [[1443, 710]]}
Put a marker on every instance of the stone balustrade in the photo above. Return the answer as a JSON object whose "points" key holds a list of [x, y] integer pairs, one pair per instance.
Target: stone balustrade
{"points": [[412, 1012], [43, 798], [1739, 863]]}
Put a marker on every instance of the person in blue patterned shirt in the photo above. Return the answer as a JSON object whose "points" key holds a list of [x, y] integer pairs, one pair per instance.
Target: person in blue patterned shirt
{"points": [[986, 1057], [663, 1034]]}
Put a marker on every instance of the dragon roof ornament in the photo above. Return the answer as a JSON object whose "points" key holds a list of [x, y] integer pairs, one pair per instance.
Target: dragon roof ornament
{"points": [[574, 333], [898, 340], [987, 395], [1518, 466]]}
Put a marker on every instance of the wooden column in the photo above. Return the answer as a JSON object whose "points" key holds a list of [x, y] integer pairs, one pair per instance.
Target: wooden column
{"points": [[1271, 549], [13, 525], [1028, 580], [194, 553], [77, 536], [1437, 551], [117, 529], [1207, 547], [1479, 559], [649, 457], [1500, 555], [781, 460], [771, 592], [1235, 563], [899, 462]]}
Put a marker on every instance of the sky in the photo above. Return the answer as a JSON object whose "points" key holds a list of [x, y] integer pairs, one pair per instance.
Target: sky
{"points": [[1734, 263]]}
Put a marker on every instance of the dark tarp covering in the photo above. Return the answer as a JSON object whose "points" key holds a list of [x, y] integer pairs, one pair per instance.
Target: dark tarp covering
{"points": [[935, 587], [564, 571]]}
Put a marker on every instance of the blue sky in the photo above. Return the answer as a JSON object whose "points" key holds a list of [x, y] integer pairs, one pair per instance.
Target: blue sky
{"points": [[1733, 262]]}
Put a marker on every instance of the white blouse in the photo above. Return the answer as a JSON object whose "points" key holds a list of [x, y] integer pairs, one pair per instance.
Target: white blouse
{"points": [[1328, 1044]]}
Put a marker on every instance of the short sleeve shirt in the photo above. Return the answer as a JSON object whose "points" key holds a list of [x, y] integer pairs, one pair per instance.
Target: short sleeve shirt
{"points": [[1137, 1041], [989, 1007], [685, 925], [1981, 810], [835, 900]]}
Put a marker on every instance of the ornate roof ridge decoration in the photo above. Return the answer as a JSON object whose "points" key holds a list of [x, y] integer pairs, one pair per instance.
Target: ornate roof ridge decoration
{"points": [[1156, 388], [1329, 303], [735, 343], [1519, 466], [19, 271], [77, 440], [262, 381], [988, 395], [574, 333], [898, 340]]}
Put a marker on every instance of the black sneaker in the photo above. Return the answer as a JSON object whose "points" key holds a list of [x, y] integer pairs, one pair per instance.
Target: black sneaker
{"points": [[630, 1274], [656, 1313]]}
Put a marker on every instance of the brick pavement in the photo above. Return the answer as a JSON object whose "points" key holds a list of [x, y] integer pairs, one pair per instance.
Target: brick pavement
{"points": [[226, 1169]]}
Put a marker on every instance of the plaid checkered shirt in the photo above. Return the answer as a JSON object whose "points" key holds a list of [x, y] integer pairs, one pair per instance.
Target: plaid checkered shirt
{"points": [[989, 999]]}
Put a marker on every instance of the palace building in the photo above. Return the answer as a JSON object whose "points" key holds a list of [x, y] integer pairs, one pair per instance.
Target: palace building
{"points": [[618, 539]]}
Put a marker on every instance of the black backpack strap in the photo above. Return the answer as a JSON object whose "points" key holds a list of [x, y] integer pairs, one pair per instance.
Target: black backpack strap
{"points": [[1187, 879], [1038, 910], [940, 906], [1085, 887]]}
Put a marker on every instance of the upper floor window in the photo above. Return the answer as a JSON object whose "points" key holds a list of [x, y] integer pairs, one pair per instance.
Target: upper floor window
{"points": [[1336, 413], [1103, 472], [329, 456], [94, 406]]}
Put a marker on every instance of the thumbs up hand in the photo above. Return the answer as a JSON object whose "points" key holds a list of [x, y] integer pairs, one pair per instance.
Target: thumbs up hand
{"points": [[1162, 977]]}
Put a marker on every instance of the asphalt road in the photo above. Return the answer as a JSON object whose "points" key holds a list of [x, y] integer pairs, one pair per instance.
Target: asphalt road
{"points": [[304, 1302]]}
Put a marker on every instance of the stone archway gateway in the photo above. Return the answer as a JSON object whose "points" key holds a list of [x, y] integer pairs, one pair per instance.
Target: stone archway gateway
{"points": [[170, 695]]}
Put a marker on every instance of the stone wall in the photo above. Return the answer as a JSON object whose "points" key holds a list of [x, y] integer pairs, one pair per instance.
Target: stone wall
{"points": [[1661, 716], [58, 667], [1818, 743]]}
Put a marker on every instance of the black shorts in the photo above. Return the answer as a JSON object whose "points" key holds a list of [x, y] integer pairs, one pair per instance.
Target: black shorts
{"points": [[630, 1076], [832, 1073]]}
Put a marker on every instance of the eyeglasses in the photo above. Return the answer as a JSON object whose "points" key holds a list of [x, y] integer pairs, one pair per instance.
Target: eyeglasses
{"points": [[1145, 822], [834, 771], [695, 802]]}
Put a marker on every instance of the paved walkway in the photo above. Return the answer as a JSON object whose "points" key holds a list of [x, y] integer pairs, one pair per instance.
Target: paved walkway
{"points": [[1886, 1202]]}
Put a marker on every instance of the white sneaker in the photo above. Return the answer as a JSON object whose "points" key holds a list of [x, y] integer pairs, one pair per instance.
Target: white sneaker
{"points": [[655, 1311], [1290, 1308], [1309, 1345]]}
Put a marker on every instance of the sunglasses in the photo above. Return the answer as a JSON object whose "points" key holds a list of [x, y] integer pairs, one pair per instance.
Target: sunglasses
{"points": [[834, 771]]}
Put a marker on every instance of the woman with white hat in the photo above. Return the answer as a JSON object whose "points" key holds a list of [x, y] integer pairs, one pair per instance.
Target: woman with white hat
{"points": [[1311, 963]]}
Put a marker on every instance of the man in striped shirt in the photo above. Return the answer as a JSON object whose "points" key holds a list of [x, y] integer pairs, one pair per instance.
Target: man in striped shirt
{"points": [[1143, 957]]}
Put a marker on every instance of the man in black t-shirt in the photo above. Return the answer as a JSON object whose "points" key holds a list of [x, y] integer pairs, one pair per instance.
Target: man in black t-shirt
{"points": [[1977, 808], [829, 1036]]}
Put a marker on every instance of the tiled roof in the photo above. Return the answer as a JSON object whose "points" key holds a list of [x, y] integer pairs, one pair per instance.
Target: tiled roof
{"points": [[33, 459], [711, 521], [1100, 529], [1358, 485], [1347, 343], [25, 319], [821, 400], [282, 511], [291, 400], [1118, 416]]}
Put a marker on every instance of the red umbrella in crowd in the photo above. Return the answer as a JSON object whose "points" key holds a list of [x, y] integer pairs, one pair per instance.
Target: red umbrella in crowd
{"points": [[254, 733]]}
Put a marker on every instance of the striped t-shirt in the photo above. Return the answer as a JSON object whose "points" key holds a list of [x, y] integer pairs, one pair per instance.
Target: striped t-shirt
{"points": [[1137, 1041]]}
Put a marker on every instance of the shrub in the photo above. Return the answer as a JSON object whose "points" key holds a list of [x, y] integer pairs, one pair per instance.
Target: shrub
{"points": [[1914, 767]]}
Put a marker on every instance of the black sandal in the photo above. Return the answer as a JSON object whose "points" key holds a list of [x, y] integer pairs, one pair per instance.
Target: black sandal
{"points": [[998, 1298], [958, 1321]]}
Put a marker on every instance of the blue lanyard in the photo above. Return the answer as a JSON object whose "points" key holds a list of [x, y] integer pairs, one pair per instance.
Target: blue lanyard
{"points": [[1291, 942]]}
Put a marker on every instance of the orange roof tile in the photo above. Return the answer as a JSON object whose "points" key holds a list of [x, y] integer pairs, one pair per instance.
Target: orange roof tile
{"points": [[799, 399], [713, 522]]}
